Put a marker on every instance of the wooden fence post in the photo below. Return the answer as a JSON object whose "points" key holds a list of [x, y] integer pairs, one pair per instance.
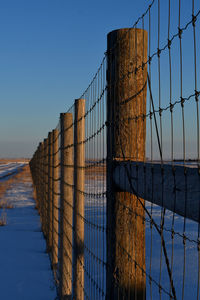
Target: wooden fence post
{"points": [[126, 108], [34, 171], [55, 194], [66, 206], [43, 186], [46, 187], [49, 237], [42, 183], [36, 175], [79, 182], [40, 179]]}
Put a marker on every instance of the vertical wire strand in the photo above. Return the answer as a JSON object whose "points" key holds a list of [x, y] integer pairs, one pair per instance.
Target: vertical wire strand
{"points": [[161, 145], [172, 133], [159, 76], [151, 159], [183, 130], [197, 124], [104, 155]]}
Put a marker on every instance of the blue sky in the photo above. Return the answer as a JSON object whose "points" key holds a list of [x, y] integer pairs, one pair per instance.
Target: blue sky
{"points": [[49, 51]]}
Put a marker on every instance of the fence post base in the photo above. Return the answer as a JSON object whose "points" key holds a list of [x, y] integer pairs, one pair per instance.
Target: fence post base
{"points": [[126, 103]]}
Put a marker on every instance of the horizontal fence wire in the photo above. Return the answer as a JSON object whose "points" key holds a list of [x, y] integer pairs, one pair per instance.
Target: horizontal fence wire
{"points": [[117, 181]]}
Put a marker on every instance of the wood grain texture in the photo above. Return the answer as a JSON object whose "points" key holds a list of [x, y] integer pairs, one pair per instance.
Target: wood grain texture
{"points": [[40, 196], [66, 204], [50, 194], [177, 188], [46, 151], [55, 198], [126, 107], [79, 183]]}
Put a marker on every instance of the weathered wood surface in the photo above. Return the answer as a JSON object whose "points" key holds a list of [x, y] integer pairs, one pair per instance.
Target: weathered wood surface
{"points": [[79, 183], [177, 188], [66, 205], [126, 135], [55, 195]]}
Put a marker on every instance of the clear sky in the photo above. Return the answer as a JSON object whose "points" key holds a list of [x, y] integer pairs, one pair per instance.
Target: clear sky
{"points": [[49, 52]]}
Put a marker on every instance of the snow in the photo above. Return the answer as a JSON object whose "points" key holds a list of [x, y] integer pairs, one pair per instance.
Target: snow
{"points": [[184, 259], [25, 271], [185, 281], [10, 168]]}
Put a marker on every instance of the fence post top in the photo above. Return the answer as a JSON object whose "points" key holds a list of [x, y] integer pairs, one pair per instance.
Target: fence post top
{"points": [[62, 115], [131, 29], [50, 134], [79, 100], [54, 131]]}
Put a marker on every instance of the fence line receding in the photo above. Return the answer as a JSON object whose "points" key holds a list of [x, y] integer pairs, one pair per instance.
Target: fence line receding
{"points": [[118, 180]]}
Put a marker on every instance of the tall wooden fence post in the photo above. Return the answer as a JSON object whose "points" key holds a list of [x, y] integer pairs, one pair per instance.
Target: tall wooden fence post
{"points": [[126, 109], [55, 204], [66, 206], [35, 172], [79, 182], [42, 183], [40, 179], [46, 187], [50, 146]]}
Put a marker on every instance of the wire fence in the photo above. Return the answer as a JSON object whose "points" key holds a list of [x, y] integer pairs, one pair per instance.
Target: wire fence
{"points": [[117, 181]]}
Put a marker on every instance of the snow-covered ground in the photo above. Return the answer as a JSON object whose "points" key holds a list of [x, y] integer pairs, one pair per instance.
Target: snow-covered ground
{"points": [[25, 271], [182, 250], [10, 168]]}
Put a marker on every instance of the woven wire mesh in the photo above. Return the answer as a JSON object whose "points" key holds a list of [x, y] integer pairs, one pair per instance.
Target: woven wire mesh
{"points": [[170, 269], [145, 246], [95, 186]]}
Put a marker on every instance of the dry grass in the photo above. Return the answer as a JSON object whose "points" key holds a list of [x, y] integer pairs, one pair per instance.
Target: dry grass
{"points": [[23, 176], [9, 160], [98, 168], [2, 222], [3, 218], [4, 204], [95, 172]]}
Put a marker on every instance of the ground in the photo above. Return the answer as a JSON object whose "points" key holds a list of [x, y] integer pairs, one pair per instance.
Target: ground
{"points": [[25, 270]]}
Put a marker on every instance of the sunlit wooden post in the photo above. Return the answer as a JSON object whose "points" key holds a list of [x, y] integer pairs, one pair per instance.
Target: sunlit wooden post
{"points": [[42, 183], [44, 187], [55, 195], [50, 173], [66, 206], [39, 200], [34, 166], [36, 175], [126, 106], [46, 150], [79, 182]]}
